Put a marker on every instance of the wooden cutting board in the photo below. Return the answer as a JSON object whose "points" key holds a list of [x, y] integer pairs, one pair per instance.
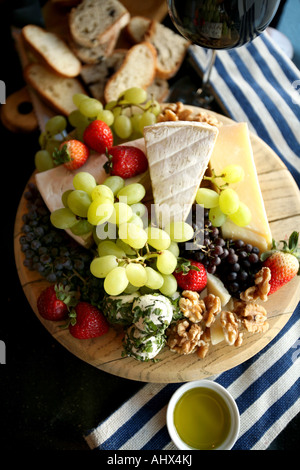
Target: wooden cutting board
{"points": [[282, 201]]}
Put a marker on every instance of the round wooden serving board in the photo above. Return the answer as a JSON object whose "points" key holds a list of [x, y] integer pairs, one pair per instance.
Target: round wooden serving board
{"points": [[282, 201]]}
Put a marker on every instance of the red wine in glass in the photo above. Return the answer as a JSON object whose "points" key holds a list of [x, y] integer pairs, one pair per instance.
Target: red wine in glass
{"points": [[220, 24]]}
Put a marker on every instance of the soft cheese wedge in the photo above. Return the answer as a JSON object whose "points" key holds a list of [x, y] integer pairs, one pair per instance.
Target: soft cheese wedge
{"points": [[233, 146], [53, 183], [178, 153]]}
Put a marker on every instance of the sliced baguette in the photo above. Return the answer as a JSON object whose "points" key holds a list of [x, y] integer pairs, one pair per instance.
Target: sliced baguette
{"points": [[171, 49], [95, 76], [56, 91], [92, 73], [137, 28], [93, 22], [159, 89], [138, 69], [51, 50], [93, 55]]}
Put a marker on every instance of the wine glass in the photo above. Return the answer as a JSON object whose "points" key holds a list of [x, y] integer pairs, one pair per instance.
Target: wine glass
{"points": [[219, 24]]}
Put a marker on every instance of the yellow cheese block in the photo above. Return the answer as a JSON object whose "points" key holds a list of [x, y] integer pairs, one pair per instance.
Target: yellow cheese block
{"points": [[233, 146]]}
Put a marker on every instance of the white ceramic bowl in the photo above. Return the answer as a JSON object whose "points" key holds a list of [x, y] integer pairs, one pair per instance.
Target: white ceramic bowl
{"points": [[233, 409]]}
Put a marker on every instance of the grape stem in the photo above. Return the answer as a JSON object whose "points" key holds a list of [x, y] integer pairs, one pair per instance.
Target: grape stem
{"points": [[76, 273], [214, 177], [140, 259], [123, 106]]}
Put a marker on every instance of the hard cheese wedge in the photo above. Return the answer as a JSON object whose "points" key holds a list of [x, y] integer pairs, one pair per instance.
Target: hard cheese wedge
{"points": [[178, 153], [233, 146]]}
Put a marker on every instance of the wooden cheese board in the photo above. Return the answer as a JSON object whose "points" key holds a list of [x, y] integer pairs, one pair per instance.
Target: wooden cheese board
{"points": [[282, 201]]}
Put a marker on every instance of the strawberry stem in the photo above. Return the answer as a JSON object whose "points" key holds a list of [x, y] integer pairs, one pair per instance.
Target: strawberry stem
{"points": [[61, 155], [290, 246]]}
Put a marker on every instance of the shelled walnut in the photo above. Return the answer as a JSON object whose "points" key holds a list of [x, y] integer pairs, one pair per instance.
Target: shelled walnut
{"points": [[192, 306], [253, 316], [196, 309], [184, 337], [212, 309], [205, 343], [193, 333], [231, 328], [179, 112], [261, 287]]}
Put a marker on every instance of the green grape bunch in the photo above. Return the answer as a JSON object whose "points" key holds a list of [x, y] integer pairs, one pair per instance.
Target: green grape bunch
{"points": [[127, 116], [224, 202], [131, 253]]}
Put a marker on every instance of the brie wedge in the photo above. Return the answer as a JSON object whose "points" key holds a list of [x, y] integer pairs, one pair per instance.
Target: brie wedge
{"points": [[178, 153]]}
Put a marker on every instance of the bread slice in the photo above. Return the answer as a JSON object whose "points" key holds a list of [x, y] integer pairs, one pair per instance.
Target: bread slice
{"points": [[137, 28], [95, 76], [178, 153], [171, 49], [138, 69], [56, 91], [159, 89], [51, 50], [93, 55], [93, 22], [92, 73]]}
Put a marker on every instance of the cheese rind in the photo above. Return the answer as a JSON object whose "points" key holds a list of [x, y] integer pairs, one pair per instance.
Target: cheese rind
{"points": [[233, 146], [178, 153]]}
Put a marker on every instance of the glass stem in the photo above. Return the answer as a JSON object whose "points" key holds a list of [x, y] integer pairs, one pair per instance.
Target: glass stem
{"points": [[204, 96], [206, 77]]}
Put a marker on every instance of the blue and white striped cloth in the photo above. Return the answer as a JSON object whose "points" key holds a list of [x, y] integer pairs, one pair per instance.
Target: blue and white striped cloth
{"points": [[256, 84]]}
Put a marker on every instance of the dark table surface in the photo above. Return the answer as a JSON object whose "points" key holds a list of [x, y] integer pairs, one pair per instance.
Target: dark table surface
{"points": [[48, 397]]}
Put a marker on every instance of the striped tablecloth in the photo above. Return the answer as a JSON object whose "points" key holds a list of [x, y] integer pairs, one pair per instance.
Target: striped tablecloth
{"points": [[259, 85]]}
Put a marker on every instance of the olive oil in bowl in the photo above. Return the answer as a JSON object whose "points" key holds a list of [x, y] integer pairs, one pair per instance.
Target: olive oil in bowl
{"points": [[202, 415], [202, 418]]}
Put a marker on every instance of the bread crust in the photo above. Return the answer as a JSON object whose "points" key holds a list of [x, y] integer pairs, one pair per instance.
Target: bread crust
{"points": [[50, 100], [43, 56], [161, 70], [101, 38], [93, 55], [123, 69], [130, 33]]}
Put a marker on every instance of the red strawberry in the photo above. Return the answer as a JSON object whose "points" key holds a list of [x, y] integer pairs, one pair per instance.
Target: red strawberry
{"points": [[283, 264], [126, 161], [191, 275], [87, 322], [98, 136], [50, 306], [72, 153]]}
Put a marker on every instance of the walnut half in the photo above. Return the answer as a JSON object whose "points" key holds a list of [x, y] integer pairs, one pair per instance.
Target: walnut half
{"points": [[196, 309], [261, 287], [192, 306], [231, 325], [184, 337], [253, 316]]}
